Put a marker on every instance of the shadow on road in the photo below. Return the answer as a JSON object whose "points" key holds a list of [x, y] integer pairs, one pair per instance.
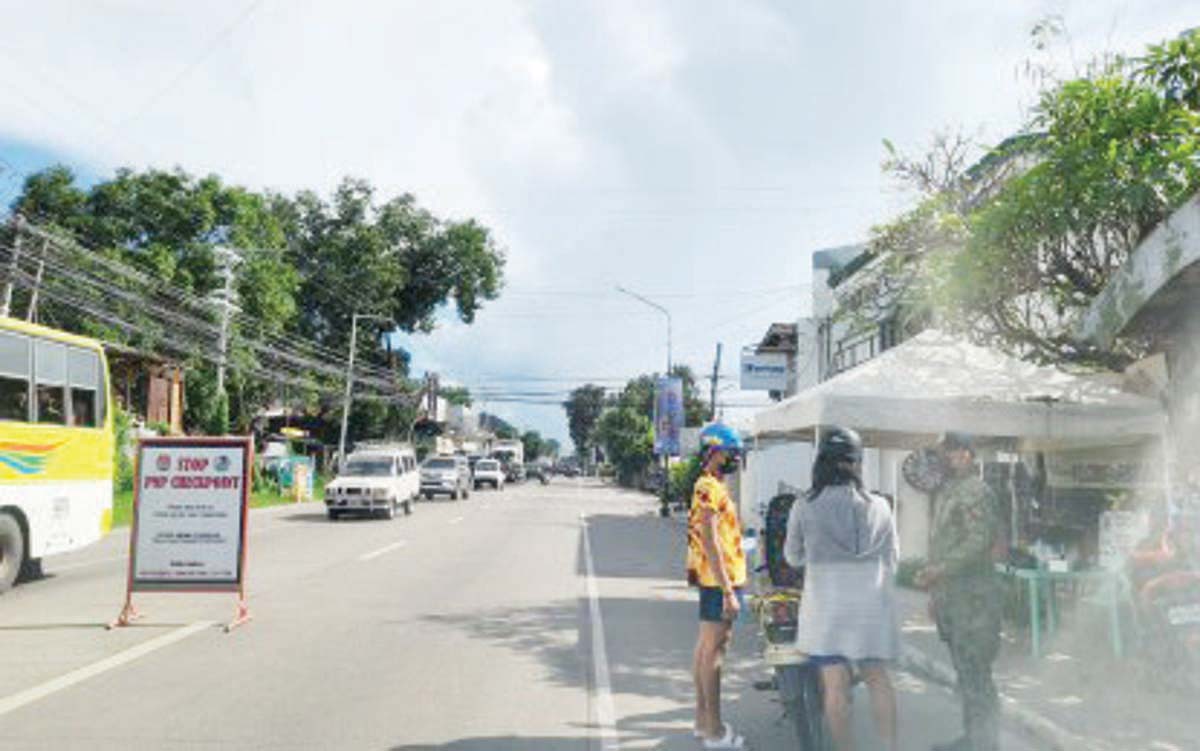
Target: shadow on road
{"points": [[650, 642], [632, 547], [497, 743]]}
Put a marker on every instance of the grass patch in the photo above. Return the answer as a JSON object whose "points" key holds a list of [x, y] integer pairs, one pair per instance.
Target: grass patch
{"points": [[123, 503]]}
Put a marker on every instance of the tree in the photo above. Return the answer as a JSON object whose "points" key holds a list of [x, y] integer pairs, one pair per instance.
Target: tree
{"points": [[628, 441], [552, 448], [583, 407], [638, 395], [1109, 155], [459, 396], [533, 445]]}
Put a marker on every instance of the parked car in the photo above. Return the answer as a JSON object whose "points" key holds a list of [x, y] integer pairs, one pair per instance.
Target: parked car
{"points": [[446, 475], [489, 472], [375, 481]]}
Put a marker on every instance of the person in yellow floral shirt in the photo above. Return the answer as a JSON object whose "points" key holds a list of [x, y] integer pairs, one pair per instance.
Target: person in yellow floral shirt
{"points": [[716, 564]]}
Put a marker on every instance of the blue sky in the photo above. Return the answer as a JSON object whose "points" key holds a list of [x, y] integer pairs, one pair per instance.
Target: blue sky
{"points": [[694, 152]]}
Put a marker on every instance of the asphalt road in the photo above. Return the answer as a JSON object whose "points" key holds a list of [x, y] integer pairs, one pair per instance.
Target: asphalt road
{"points": [[469, 626]]}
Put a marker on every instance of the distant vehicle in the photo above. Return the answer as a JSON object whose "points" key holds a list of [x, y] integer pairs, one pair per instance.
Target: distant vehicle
{"points": [[56, 446], [375, 481], [489, 472], [514, 472], [539, 472], [509, 451], [446, 475]]}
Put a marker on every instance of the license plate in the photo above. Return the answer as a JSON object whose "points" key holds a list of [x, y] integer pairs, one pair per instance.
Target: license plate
{"points": [[1184, 615]]}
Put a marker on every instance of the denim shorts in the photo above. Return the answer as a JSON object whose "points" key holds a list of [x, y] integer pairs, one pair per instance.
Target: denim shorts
{"points": [[712, 603]]}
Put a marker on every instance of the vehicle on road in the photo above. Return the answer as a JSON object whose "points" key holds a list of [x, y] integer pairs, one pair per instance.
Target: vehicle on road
{"points": [[540, 473], [514, 472], [489, 472], [509, 451], [376, 482], [56, 446], [446, 475]]}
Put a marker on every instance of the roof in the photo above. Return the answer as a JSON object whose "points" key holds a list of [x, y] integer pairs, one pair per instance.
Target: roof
{"points": [[936, 382], [780, 337], [835, 258], [58, 335]]}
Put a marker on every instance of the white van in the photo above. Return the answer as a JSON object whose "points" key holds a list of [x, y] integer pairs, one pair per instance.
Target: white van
{"points": [[377, 480]]}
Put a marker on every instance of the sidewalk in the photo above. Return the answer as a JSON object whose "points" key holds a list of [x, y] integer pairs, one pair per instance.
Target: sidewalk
{"points": [[1078, 696]]}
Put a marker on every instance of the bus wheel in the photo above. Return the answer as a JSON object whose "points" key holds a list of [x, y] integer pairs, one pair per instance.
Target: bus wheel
{"points": [[12, 551], [32, 570]]}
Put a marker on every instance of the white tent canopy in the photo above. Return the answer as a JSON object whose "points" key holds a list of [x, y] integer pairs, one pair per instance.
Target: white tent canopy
{"points": [[936, 382]]}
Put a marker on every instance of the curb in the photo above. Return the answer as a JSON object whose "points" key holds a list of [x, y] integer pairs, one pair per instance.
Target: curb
{"points": [[1035, 726]]}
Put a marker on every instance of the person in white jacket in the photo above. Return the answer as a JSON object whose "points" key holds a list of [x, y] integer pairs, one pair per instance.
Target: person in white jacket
{"points": [[845, 538]]}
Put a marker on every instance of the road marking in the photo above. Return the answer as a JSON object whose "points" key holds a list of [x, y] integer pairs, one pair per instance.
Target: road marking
{"points": [[381, 551], [18, 700], [456, 520], [605, 712]]}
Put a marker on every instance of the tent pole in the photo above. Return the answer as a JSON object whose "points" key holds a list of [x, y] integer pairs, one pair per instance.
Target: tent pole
{"points": [[1166, 469]]}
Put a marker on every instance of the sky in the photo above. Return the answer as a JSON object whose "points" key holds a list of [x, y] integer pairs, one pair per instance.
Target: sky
{"points": [[694, 152]]}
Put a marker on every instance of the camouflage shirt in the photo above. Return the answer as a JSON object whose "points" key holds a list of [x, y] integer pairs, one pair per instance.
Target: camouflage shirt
{"points": [[965, 526]]}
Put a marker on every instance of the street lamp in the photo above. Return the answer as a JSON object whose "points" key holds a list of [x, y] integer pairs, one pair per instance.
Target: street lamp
{"points": [[663, 510], [350, 378], [660, 309]]}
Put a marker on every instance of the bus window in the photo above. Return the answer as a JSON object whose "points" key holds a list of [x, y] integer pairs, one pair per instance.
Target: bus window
{"points": [[51, 362], [83, 369], [14, 377]]}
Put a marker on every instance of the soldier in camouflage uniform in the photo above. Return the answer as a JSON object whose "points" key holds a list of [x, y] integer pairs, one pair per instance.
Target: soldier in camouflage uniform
{"points": [[964, 589]]}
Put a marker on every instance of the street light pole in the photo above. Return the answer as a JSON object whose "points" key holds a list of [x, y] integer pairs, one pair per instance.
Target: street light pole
{"points": [[660, 309], [664, 509], [350, 381]]}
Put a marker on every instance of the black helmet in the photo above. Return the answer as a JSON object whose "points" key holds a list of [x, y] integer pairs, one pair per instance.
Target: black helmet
{"points": [[840, 445], [956, 441]]}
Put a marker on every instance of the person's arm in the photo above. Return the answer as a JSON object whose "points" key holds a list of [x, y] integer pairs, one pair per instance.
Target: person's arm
{"points": [[793, 544], [709, 521]]}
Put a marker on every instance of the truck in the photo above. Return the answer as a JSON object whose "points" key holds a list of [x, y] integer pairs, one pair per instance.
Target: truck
{"points": [[509, 451]]}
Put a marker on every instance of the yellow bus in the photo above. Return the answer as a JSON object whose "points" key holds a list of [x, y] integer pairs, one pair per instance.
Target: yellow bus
{"points": [[56, 446]]}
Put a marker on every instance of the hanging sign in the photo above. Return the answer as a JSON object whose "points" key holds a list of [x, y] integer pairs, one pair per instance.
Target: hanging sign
{"points": [[765, 371], [668, 415], [191, 505]]}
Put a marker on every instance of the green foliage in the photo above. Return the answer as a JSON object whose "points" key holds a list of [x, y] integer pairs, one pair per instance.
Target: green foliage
{"points": [[638, 395], [1015, 250], [534, 445], [459, 396], [628, 441], [308, 265], [506, 432], [583, 411], [682, 480], [122, 451], [907, 570]]}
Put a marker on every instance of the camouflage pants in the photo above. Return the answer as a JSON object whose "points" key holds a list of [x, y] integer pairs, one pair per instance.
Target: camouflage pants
{"points": [[970, 626]]}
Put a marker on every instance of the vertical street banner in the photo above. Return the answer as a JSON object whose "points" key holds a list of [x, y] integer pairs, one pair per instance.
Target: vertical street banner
{"points": [[668, 415], [190, 508]]}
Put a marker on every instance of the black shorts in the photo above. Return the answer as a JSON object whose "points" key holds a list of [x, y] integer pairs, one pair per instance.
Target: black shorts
{"points": [[712, 603]]}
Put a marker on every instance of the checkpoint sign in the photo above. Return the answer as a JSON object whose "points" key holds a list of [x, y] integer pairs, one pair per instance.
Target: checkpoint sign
{"points": [[189, 530]]}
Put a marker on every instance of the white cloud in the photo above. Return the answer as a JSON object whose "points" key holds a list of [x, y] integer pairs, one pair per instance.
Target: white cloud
{"points": [[669, 146]]}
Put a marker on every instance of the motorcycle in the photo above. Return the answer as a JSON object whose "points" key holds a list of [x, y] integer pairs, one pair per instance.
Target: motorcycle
{"points": [[776, 606], [1166, 582]]}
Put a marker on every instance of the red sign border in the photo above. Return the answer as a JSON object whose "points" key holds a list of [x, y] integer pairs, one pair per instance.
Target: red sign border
{"points": [[246, 445]]}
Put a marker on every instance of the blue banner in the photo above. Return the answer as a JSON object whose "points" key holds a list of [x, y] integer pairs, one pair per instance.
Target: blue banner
{"points": [[668, 415]]}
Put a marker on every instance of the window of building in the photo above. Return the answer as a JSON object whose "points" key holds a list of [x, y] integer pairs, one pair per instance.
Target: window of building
{"points": [[14, 376]]}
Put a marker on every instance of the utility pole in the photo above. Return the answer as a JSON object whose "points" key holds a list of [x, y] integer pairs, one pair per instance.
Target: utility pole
{"points": [[10, 276], [31, 311], [228, 258], [350, 380], [716, 374]]}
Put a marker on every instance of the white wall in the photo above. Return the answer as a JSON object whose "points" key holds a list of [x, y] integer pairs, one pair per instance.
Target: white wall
{"points": [[789, 463]]}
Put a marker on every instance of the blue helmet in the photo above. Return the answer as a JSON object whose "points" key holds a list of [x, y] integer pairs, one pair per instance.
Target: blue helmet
{"points": [[718, 436]]}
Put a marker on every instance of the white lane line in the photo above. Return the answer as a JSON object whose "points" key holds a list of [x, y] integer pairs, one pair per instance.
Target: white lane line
{"points": [[18, 700], [383, 550], [606, 714], [456, 520]]}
